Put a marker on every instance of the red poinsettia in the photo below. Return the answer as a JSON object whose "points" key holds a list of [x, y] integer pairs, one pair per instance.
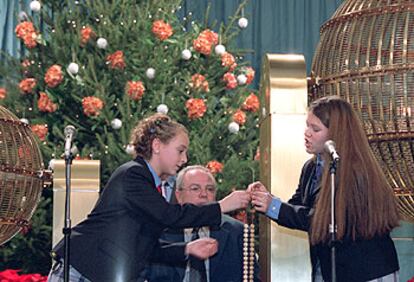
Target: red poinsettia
{"points": [[249, 72], [228, 60], [215, 166], [205, 41], [26, 85], [26, 31], [199, 82], [135, 90], [195, 108], [230, 80], [116, 60], [29, 40], [251, 104], [54, 76], [161, 29], [45, 104], [92, 106], [3, 93], [11, 275], [86, 34], [240, 117], [41, 131], [24, 28]]}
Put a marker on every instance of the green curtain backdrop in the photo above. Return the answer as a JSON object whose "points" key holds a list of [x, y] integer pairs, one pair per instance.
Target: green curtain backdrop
{"points": [[275, 26]]}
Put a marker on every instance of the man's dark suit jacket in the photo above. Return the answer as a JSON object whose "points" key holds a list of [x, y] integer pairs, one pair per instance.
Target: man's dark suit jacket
{"points": [[225, 266], [359, 260], [116, 240]]}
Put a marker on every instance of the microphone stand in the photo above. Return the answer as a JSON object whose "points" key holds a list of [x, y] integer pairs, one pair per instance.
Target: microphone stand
{"points": [[67, 229], [332, 226]]}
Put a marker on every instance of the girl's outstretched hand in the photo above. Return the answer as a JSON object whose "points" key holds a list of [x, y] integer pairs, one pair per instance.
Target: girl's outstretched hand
{"points": [[261, 198], [236, 200]]}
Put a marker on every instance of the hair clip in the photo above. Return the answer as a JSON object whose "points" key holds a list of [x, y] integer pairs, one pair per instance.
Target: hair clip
{"points": [[158, 122], [152, 130]]}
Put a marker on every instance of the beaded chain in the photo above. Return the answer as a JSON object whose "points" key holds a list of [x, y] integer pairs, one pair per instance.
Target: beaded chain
{"points": [[248, 247]]}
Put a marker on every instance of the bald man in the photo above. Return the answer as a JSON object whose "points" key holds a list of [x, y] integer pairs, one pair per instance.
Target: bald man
{"points": [[196, 185]]}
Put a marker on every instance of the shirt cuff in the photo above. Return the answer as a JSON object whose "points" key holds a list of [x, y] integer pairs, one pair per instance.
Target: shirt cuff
{"points": [[274, 208]]}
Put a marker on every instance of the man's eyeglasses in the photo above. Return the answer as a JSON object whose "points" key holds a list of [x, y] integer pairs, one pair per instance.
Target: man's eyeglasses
{"points": [[197, 189]]}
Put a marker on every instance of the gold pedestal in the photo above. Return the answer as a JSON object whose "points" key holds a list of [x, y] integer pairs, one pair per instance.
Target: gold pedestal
{"points": [[85, 175], [284, 253]]}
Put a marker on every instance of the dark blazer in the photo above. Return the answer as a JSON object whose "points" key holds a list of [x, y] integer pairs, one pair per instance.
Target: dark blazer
{"points": [[116, 240], [359, 260], [225, 266]]}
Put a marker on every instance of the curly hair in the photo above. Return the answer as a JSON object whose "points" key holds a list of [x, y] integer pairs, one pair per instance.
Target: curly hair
{"points": [[158, 126]]}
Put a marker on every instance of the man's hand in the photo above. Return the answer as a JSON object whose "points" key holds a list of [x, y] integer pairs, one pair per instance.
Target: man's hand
{"points": [[202, 248], [236, 200]]}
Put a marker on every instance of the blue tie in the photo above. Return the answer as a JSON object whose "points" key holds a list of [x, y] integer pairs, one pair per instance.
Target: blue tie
{"points": [[316, 177]]}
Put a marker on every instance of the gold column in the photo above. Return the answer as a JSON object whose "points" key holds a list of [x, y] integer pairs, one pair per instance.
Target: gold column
{"points": [[284, 253], [85, 175]]}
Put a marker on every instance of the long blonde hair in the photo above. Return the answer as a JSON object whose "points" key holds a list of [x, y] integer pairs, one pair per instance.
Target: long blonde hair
{"points": [[365, 204]]}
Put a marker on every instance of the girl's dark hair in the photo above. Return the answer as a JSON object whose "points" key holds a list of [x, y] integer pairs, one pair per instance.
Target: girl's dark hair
{"points": [[158, 126], [365, 203]]}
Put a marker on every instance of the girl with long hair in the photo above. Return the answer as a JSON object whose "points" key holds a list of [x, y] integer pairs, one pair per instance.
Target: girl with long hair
{"points": [[365, 207]]}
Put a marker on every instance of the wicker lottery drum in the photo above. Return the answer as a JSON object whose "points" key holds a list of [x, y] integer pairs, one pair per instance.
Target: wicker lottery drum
{"points": [[366, 55], [21, 171]]}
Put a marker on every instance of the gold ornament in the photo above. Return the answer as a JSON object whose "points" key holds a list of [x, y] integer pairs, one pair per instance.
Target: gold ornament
{"points": [[366, 56]]}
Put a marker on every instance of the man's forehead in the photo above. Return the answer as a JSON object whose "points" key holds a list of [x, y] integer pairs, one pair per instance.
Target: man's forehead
{"points": [[189, 177]]}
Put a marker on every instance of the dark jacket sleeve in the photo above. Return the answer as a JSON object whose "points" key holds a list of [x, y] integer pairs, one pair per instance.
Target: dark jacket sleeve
{"points": [[295, 217], [141, 195]]}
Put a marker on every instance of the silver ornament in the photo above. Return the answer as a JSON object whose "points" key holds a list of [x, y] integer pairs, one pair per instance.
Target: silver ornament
{"points": [[73, 68], [241, 79], [102, 43], [234, 127], [35, 6], [186, 54], [243, 22], [220, 49], [150, 73], [162, 108], [116, 123]]}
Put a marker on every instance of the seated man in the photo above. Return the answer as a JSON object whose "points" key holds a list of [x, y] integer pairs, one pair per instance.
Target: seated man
{"points": [[196, 185]]}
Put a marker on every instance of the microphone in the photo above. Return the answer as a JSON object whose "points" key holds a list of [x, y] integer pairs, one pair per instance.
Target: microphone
{"points": [[329, 147], [70, 133]]}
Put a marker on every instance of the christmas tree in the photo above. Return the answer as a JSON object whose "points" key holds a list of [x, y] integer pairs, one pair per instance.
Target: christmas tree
{"points": [[104, 65]]}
